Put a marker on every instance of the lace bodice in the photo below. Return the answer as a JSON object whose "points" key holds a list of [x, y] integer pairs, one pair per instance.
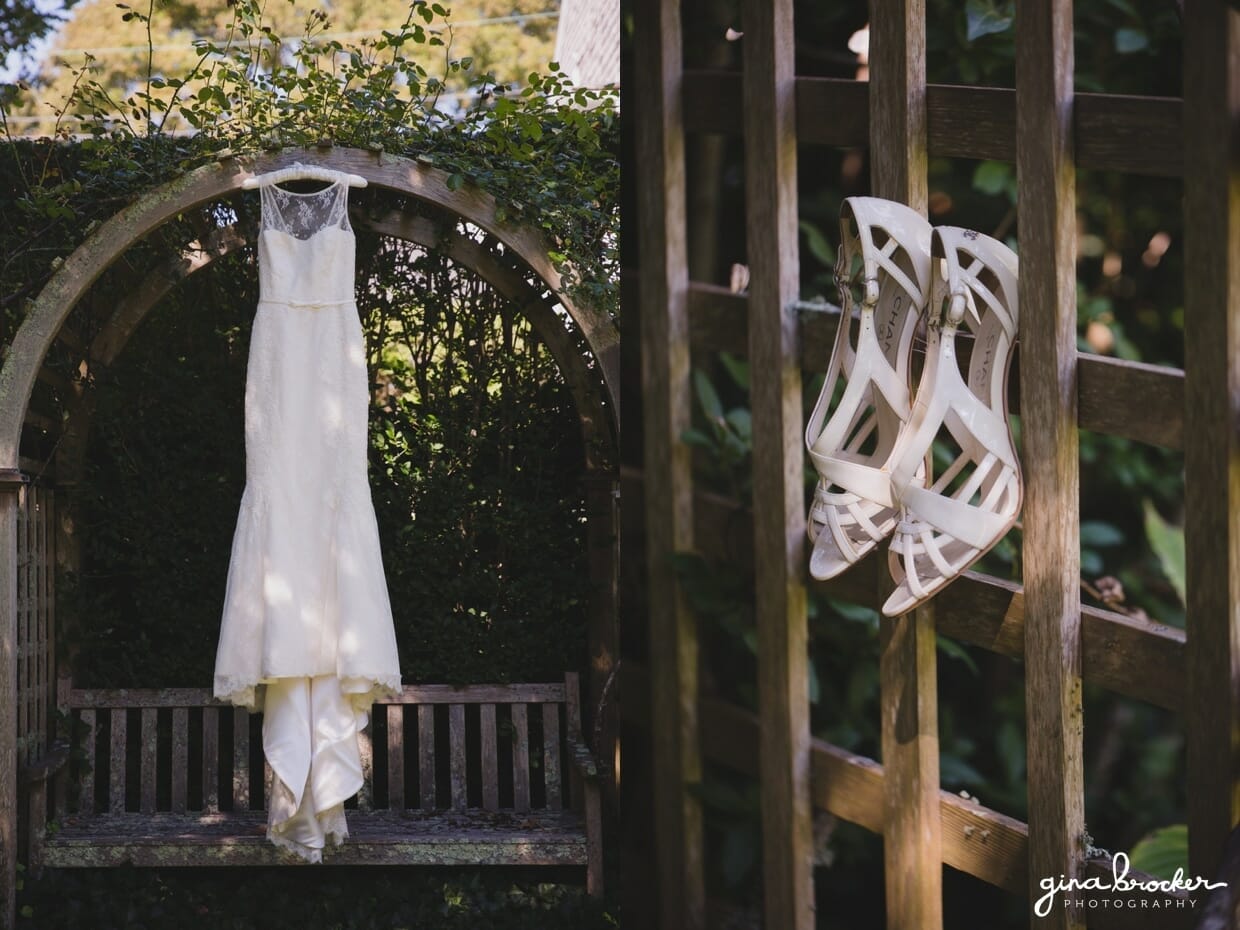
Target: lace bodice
{"points": [[306, 248]]}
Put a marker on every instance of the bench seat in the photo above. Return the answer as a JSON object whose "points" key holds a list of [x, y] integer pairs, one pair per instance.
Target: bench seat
{"points": [[408, 837], [488, 775]]}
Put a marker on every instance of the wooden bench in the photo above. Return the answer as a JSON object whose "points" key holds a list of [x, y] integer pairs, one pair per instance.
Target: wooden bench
{"points": [[454, 776]]}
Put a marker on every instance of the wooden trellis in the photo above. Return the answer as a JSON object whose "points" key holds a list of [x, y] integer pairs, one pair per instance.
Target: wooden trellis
{"points": [[1047, 130]]}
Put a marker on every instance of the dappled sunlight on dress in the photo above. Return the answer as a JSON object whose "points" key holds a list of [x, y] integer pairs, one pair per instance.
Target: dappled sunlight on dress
{"points": [[307, 635]]}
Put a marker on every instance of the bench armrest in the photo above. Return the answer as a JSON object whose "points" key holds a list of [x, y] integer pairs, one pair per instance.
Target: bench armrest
{"points": [[49, 766], [583, 759]]}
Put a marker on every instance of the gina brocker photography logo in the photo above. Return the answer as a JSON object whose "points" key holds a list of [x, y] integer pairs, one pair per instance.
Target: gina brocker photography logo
{"points": [[1119, 892]]}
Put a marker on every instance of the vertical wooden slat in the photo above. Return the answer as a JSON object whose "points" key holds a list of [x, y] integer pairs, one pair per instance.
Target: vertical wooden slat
{"points": [[396, 756], [1212, 424], [34, 659], [49, 627], [426, 755], [210, 759], [551, 754], [40, 655], [602, 509], [23, 618], [490, 758], [456, 754], [912, 837], [86, 796], [116, 762], [41, 651], [366, 752], [241, 759], [676, 816], [520, 758], [778, 498], [146, 769], [180, 758], [8, 701], [29, 585], [1046, 206]]}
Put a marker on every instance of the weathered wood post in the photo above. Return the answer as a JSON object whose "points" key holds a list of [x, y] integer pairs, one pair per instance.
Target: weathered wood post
{"points": [[664, 290], [1212, 424], [912, 835], [769, 105], [1051, 555], [10, 483]]}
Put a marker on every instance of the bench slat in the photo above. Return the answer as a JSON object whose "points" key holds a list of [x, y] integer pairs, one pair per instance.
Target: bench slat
{"points": [[551, 760], [456, 741], [379, 837], [210, 759], [241, 759], [426, 756], [116, 763], [520, 758], [551, 754], [536, 693], [490, 758], [396, 756], [180, 758], [86, 797], [146, 772]]}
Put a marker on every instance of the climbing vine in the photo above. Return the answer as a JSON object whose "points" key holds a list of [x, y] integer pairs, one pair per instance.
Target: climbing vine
{"points": [[547, 152]]}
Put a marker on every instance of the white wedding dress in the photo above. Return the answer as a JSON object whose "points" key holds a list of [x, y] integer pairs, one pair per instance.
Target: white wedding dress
{"points": [[307, 636]]}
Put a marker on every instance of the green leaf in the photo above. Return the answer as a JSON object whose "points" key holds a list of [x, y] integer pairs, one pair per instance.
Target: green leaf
{"points": [[1130, 40], [738, 368], [1167, 541], [817, 243], [953, 650], [1162, 851], [695, 437], [707, 396], [855, 612], [739, 854], [1010, 742], [955, 771], [741, 423], [992, 177], [1096, 533], [985, 17]]}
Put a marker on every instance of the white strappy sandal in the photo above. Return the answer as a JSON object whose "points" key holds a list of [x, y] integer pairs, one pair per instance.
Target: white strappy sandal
{"points": [[884, 264], [948, 525]]}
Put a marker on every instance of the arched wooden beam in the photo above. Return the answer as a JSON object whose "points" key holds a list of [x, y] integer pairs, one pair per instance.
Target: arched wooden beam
{"points": [[213, 181], [599, 441]]}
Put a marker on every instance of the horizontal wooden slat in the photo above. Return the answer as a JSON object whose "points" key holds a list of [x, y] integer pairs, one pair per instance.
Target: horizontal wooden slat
{"points": [[1116, 397], [1140, 659], [1138, 135], [1137, 658], [375, 837], [552, 692], [977, 840]]}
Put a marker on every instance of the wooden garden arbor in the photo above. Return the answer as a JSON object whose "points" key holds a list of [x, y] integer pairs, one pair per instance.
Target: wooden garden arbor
{"points": [[1047, 130], [27, 657]]}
